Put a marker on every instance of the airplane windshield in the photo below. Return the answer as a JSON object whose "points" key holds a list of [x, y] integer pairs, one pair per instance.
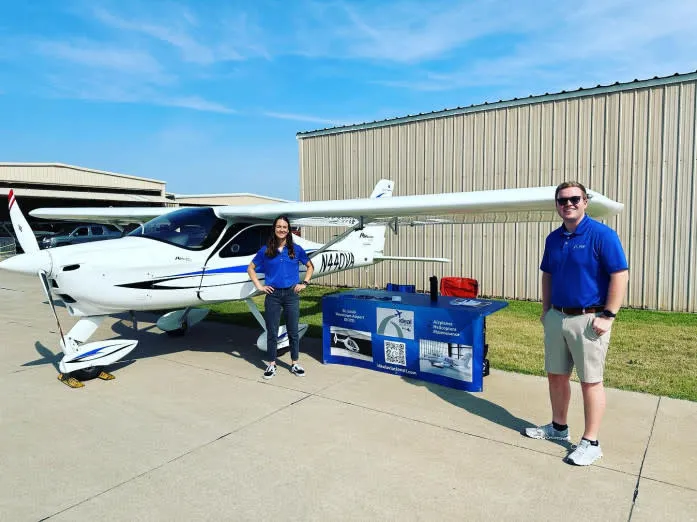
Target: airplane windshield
{"points": [[192, 228]]}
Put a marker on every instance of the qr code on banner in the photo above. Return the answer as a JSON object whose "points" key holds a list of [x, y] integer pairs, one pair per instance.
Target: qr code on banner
{"points": [[395, 353]]}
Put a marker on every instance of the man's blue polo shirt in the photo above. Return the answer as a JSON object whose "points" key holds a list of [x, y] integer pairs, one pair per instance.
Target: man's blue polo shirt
{"points": [[280, 271], [581, 262]]}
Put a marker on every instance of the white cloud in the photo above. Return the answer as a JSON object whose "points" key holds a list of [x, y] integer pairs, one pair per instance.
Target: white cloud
{"points": [[98, 87], [592, 42], [149, 51], [303, 117], [405, 32], [178, 37], [196, 103], [93, 55], [218, 37]]}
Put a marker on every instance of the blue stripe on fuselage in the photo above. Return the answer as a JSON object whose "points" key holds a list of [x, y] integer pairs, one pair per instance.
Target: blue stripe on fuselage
{"points": [[225, 270]]}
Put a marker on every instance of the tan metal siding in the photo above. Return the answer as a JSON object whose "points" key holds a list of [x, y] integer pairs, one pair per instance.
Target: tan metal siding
{"points": [[685, 284], [637, 145], [66, 175]]}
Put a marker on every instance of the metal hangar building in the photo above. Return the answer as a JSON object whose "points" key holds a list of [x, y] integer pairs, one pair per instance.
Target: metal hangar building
{"points": [[39, 185], [634, 142]]}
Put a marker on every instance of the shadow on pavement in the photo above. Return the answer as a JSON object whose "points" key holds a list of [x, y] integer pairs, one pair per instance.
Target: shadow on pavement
{"points": [[482, 408], [208, 336]]}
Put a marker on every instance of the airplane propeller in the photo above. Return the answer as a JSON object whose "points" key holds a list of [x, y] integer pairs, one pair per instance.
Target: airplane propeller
{"points": [[25, 235]]}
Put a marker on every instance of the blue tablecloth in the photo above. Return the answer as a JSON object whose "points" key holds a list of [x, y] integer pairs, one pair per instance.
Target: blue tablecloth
{"points": [[407, 334]]}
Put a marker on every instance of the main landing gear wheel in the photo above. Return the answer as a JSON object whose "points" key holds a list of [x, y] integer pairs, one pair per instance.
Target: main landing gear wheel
{"points": [[179, 332]]}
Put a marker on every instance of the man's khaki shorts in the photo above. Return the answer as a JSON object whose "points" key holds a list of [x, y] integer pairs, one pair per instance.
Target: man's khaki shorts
{"points": [[570, 341]]}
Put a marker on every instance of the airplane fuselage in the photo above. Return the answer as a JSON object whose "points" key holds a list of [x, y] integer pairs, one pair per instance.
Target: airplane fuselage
{"points": [[139, 273]]}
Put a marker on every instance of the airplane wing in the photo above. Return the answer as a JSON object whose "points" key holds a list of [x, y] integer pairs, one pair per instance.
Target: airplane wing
{"points": [[488, 206], [108, 215]]}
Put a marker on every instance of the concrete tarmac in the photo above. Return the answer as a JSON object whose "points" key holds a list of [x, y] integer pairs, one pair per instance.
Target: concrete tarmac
{"points": [[189, 430]]}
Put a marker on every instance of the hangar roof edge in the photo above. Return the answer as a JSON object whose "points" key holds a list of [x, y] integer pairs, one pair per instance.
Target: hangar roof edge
{"points": [[581, 91], [75, 167]]}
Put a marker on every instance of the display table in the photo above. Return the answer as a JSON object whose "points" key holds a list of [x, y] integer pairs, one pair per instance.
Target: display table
{"points": [[406, 334]]}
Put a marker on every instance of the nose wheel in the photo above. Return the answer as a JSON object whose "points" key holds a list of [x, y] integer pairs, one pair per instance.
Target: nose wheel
{"points": [[74, 379]]}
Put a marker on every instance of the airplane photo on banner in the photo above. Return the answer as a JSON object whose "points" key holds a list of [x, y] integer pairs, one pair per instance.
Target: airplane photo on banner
{"points": [[184, 258]]}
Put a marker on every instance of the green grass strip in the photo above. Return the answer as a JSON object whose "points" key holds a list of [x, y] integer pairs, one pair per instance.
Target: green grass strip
{"points": [[651, 352]]}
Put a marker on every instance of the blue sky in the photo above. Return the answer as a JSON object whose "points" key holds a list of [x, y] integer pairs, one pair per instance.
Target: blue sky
{"points": [[208, 95]]}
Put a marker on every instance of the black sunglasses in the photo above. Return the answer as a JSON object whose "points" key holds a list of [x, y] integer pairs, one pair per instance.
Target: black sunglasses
{"points": [[573, 199]]}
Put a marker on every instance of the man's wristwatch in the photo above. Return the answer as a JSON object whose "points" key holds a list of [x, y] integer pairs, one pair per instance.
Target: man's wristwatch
{"points": [[608, 314]]}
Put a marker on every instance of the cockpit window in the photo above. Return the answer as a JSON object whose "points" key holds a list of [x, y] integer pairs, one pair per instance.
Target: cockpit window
{"points": [[191, 228], [247, 242]]}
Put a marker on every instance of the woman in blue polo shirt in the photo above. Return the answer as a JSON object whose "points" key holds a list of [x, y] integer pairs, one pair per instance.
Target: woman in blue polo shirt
{"points": [[280, 260]]}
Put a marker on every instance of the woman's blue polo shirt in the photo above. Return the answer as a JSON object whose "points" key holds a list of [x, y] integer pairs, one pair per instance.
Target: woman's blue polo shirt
{"points": [[581, 262], [280, 271]]}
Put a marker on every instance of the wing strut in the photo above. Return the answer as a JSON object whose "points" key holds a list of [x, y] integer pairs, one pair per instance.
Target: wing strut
{"points": [[393, 224], [358, 226]]}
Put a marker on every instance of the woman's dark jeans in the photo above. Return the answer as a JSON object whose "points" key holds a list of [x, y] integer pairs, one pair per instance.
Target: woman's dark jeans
{"points": [[287, 299]]}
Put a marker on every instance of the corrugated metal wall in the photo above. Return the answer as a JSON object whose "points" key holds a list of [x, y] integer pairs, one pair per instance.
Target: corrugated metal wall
{"points": [[635, 145], [67, 175]]}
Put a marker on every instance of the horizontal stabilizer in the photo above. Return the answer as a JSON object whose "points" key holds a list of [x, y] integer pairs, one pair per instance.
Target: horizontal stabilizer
{"points": [[407, 258], [325, 222]]}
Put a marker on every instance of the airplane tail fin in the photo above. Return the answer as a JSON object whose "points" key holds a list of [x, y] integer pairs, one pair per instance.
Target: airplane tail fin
{"points": [[372, 236], [24, 233], [383, 189]]}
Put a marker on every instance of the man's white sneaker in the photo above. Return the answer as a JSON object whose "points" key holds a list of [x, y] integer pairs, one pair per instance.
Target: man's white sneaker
{"points": [[585, 454], [547, 432]]}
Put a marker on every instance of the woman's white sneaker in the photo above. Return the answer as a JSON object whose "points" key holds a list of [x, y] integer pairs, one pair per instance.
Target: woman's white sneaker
{"points": [[270, 371], [297, 370]]}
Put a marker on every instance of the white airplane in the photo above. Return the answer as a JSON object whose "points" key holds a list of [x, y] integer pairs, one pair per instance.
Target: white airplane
{"points": [[441, 361], [178, 259]]}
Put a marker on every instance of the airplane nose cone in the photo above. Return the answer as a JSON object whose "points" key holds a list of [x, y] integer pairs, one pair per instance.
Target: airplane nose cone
{"points": [[29, 264]]}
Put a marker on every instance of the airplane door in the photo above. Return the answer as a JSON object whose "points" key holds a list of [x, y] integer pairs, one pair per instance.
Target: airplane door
{"points": [[225, 274]]}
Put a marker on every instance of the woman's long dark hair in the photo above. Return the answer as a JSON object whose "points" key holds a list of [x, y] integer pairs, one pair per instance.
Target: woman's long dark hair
{"points": [[273, 243]]}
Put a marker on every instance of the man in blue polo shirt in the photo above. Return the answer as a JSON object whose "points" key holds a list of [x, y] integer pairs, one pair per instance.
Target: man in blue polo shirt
{"points": [[584, 279]]}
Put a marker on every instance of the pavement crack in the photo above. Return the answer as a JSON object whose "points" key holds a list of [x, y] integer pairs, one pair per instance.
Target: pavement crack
{"points": [[643, 459], [174, 459]]}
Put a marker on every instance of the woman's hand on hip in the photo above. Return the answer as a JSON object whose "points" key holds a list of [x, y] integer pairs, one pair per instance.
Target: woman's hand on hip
{"points": [[298, 288], [266, 289]]}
